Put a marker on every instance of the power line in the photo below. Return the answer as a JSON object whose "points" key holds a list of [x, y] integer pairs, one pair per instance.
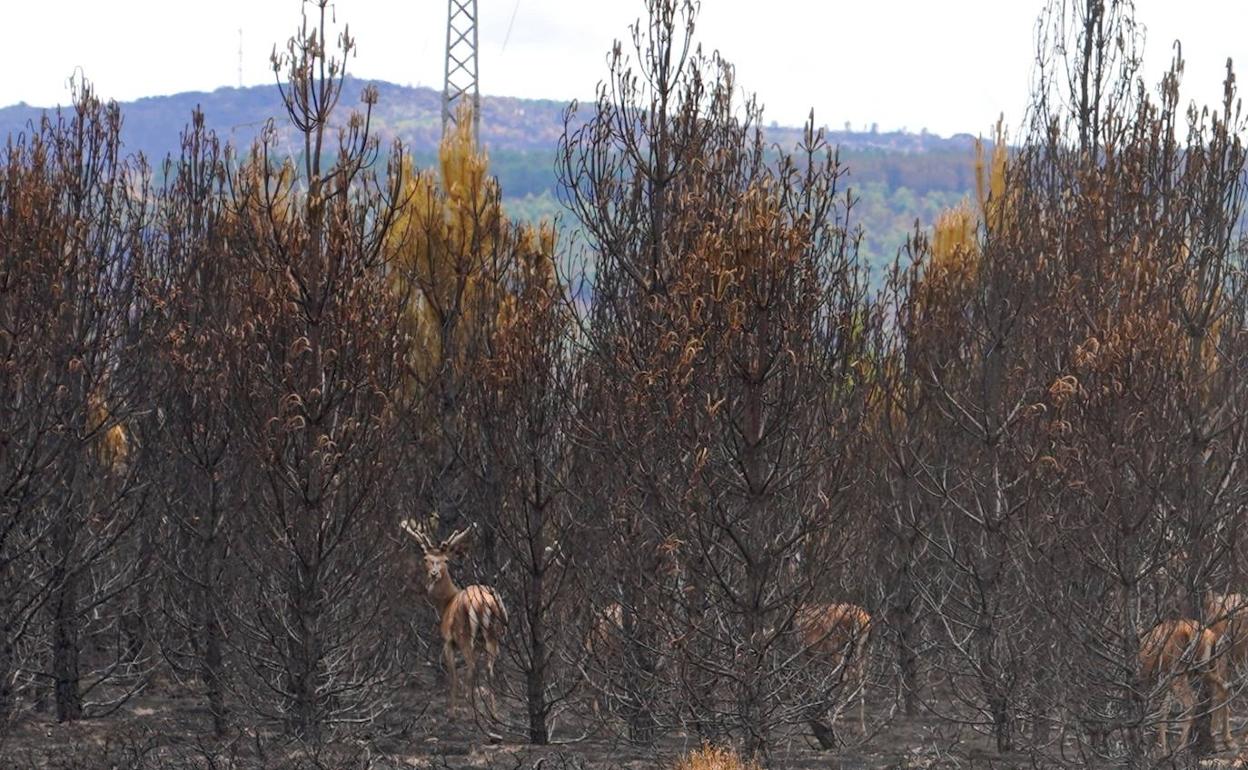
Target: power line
{"points": [[512, 21]]}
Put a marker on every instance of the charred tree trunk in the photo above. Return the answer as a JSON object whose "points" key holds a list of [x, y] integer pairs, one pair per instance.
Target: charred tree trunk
{"points": [[640, 672], [212, 662], [65, 629], [134, 622], [302, 662], [535, 678], [7, 671], [65, 620], [212, 671], [904, 622], [751, 707]]}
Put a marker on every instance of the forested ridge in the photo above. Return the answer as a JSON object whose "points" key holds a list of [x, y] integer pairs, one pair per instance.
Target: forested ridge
{"points": [[899, 176], [330, 458]]}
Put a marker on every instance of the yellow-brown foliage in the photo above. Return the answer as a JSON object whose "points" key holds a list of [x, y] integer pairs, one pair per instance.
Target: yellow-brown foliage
{"points": [[947, 279], [533, 272], [955, 250], [444, 236], [113, 447], [1139, 318], [950, 274], [464, 269], [714, 758], [995, 203], [955, 247], [734, 261], [531, 315]]}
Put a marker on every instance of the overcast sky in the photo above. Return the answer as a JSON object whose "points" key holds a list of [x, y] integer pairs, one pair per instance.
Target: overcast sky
{"points": [[945, 65]]}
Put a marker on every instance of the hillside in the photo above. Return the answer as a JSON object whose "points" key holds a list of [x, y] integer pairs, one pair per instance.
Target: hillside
{"points": [[897, 176]]}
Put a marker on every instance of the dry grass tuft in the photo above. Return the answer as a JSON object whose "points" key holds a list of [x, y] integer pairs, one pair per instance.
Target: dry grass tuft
{"points": [[715, 758]]}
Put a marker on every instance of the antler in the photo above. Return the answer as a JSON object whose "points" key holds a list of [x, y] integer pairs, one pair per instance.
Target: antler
{"points": [[418, 533], [455, 539]]}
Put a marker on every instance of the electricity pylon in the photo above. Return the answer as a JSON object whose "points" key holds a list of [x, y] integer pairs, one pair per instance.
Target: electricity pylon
{"points": [[461, 65]]}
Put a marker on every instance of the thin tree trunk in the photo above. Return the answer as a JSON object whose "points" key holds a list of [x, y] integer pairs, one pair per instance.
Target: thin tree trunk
{"points": [[7, 665], [902, 619], [302, 658], [640, 670], [211, 622], [750, 705], [65, 631], [213, 672], [65, 627], [536, 676]]}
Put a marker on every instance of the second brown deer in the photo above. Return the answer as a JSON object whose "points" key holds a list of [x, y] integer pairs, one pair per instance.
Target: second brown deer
{"points": [[471, 620], [1227, 616], [836, 636], [1172, 654]]}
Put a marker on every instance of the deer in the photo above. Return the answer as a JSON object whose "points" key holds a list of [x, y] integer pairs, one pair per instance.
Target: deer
{"points": [[602, 643], [604, 640], [1227, 616], [1176, 650], [471, 620], [838, 635]]}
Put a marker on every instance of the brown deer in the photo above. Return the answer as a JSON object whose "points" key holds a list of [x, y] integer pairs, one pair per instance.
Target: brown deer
{"points": [[602, 645], [1227, 616], [1171, 654], [471, 620], [604, 642], [836, 635]]}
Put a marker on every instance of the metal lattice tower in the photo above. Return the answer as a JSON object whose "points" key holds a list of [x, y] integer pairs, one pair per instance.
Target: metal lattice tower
{"points": [[461, 65]]}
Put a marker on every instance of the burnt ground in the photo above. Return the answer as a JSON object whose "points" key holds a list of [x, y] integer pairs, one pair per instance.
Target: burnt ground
{"points": [[166, 728]]}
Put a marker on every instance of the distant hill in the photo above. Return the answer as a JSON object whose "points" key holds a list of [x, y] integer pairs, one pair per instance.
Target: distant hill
{"points": [[899, 176], [413, 114]]}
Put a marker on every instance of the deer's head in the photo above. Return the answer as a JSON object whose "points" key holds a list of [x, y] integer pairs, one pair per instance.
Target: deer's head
{"points": [[437, 558]]}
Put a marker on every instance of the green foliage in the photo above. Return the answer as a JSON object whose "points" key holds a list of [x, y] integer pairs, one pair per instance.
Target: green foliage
{"points": [[888, 215]]}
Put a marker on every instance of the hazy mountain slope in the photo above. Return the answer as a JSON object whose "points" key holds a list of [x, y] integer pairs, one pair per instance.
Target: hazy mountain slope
{"points": [[899, 176], [153, 123]]}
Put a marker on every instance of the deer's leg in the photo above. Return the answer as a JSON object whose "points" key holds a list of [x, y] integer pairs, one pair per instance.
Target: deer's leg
{"points": [[1225, 689], [1221, 707], [1163, 721], [448, 660], [491, 651], [862, 701], [470, 674], [835, 712], [1187, 702]]}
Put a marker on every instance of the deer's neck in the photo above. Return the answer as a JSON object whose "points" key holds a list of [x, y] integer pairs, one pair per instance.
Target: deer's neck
{"points": [[442, 592]]}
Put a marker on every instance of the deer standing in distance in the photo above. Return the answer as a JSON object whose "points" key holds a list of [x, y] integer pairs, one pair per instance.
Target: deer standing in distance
{"points": [[1227, 616], [1171, 654], [471, 620], [837, 635], [605, 641]]}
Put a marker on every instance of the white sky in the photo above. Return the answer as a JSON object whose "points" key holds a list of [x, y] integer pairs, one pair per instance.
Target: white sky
{"points": [[947, 65]]}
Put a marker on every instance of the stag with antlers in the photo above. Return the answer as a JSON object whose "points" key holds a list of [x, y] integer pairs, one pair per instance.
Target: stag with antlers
{"points": [[471, 620]]}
